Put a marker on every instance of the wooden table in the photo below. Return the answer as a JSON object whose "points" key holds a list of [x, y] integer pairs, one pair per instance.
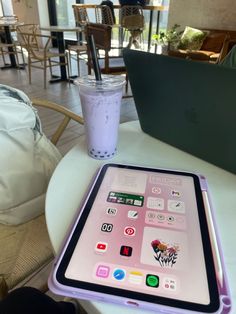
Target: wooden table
{"points": [[59, 32], [74, 173]]}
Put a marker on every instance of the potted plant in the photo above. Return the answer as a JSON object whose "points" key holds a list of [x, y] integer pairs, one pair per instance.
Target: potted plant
{"points": [[168, 39]]}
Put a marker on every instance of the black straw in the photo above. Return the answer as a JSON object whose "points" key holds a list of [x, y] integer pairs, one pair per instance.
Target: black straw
{"points": [[96, 67]]}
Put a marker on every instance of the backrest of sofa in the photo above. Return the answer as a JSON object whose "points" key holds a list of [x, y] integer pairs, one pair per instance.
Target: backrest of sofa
{"points": [[214, 41]]}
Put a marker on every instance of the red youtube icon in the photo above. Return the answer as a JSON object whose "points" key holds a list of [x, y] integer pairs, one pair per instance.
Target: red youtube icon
{"points": [[101, 247]]}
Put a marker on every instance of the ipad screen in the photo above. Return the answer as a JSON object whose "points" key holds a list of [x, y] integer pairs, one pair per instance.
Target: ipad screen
{"points": [[143, 233]]}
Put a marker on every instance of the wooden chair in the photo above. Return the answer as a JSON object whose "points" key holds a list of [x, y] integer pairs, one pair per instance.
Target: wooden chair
{"points": [[27, 28], [132, 20], [81, 19], [26, 248], [102, 38], [79, 51], [104, 15], [19, 41], [40, 56], [81, 16], [7, 48]]}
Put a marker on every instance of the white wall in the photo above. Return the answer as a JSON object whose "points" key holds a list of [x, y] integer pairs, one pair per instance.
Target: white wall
{"points": [[43, 12], [216, 14], [32, 11]]}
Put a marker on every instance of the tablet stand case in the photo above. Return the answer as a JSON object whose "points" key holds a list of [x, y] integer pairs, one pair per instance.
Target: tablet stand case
{"points": [[224, 291]]}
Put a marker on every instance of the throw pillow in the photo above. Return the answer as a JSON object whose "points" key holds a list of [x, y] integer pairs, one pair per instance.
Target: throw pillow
{"points": [[192, 39]]}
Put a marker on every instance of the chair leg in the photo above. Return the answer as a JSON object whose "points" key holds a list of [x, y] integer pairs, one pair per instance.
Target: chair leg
{"points": [[45, 73], [68, 68], [50, 66], [69, 57], [17, 58], [78, 67], [29, 68], [127, 83], [22, 55], [3, 56]]}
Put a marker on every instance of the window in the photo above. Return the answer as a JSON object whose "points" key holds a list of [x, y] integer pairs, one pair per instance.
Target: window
{"points": [[61, 13]]}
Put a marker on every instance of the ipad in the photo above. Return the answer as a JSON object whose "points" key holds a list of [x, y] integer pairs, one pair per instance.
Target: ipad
{"points": [[141, 239]]}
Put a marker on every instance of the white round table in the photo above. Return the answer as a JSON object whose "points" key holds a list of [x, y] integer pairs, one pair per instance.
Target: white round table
{"points": [[74, 173]]}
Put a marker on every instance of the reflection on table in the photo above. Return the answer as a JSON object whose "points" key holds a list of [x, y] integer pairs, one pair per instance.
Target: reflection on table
{"points": [[59, 32], [74, 173]]}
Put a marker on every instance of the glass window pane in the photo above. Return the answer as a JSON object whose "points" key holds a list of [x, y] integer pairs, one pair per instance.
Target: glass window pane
{"points": [[65, 16]]}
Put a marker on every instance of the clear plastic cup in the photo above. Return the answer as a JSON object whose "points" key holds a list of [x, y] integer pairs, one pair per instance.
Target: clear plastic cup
{"points": [[100, 102]]}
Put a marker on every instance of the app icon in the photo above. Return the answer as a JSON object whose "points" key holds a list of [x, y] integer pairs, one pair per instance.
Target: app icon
{"points": [[135, 277], [126, 250], [169, 284], [132, 214], [151, 215], [156, 190], [119, 274], [102, 271], [129, 231], [155, 203], [106, 227], [176, 206], [160, 217], [111, 211], [152, 281], [138, 202], [129, 201], [101, 247], [170, 218], [175, 193]]}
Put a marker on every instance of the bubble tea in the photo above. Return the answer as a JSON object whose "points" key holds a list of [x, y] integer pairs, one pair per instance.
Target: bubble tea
{"points": [[101, 101]]}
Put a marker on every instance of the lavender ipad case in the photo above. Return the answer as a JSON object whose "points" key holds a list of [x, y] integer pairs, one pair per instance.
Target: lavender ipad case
{"points": [[223, 285], [98, 295]]}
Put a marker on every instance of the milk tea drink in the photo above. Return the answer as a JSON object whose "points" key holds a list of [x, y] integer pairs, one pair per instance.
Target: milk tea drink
{"points": [[100, 101]]}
